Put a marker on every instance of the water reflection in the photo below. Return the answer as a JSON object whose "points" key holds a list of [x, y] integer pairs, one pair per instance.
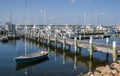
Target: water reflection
{"points": [[64, 57], [26, 65], [55, 53], [90, 65], [75, 61], [76, 57], [48, 48], [26, 72]]}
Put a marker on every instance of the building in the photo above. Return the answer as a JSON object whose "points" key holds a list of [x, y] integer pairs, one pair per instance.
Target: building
{"points": [[10, 28]]}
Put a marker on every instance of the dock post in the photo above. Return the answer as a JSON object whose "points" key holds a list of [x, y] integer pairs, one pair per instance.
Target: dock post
{"points": [[80, 37], [64, 42], [80, 50], [107, 56], [69, 35], [75, 44], [69, 47], [102, 36], [48, 39], [91, 47], [62, 34], [107, 40], [38, 37], [114, 51]]}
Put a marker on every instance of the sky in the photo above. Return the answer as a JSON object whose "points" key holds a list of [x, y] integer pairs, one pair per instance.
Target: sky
{"points": [[94, 12]]}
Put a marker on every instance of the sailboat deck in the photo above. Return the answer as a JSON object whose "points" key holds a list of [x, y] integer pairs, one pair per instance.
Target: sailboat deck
{"points": [[33, 55]]}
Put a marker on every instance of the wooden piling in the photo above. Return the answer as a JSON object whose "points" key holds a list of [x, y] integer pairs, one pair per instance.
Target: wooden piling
{"points": [[48, 39], [114, 51], [69, 47], [80, 37], [55, 39], [75, 44], [107, 40], [69, 35], [80, 50], [64, 42], [62, 34], [91, 47]]}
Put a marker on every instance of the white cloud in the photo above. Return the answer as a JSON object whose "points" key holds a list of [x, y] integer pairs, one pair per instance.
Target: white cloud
{"points": [[73, 1], [101, 13], [53, 18]]}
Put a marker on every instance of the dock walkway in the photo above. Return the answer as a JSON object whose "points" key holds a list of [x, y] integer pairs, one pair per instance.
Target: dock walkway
{"points": [[91, 46]]}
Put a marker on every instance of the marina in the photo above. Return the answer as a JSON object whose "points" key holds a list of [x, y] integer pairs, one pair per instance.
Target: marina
{"points": [[77, 53], [59, 38], [58, 59], [69, 53]]}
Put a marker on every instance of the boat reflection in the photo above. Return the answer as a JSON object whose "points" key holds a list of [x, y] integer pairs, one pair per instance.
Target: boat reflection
{"points": [[26, 65]]}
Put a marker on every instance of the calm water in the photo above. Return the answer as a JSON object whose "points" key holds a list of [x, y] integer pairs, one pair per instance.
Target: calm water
{"points": [[58, 63]]}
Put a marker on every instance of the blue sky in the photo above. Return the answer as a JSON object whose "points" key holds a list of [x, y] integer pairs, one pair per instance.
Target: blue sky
{"points": [[104, 12]]}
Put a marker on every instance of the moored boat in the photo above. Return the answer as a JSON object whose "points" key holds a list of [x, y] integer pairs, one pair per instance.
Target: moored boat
{"points": [[31, 57], [4, 39]]}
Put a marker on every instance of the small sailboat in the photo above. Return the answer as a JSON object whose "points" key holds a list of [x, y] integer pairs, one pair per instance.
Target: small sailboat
{"points": [[33, 56]]}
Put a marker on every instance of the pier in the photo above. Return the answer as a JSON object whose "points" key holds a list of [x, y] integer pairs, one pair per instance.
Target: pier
{"points": [[77, 57], [90, 45]]}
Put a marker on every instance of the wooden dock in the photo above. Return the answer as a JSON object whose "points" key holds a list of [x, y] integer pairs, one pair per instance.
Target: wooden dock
{"points": [[91, 46], [76, 57]]}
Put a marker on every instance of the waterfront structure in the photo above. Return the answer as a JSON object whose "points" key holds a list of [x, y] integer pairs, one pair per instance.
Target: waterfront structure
{"points": [[117, 28], [100, 28], [10, 28], [81, 43], [89, 28], [0, 28]]}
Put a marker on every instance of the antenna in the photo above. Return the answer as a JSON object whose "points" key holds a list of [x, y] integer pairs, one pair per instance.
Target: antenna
{"points": [[10, 18], [26, 13], [44, 16], [43, 12], [26, 27], [84, 18], [118, 20]]}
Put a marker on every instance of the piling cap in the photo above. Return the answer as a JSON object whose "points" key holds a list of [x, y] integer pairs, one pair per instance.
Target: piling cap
{"points": [[91, 39], [75, 38], [114, 43], [48, 34], [55, 35], [107, 39], [63, 37]]}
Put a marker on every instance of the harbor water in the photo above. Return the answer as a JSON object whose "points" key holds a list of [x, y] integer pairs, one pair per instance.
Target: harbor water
{"points": [[59, 62]]}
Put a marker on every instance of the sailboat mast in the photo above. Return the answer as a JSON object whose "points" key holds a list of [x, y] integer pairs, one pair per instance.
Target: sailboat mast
{"points": [[26, 27]]}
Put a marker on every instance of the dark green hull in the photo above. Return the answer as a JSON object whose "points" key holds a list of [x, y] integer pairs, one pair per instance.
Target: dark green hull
{"points": [[30, 59]]}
